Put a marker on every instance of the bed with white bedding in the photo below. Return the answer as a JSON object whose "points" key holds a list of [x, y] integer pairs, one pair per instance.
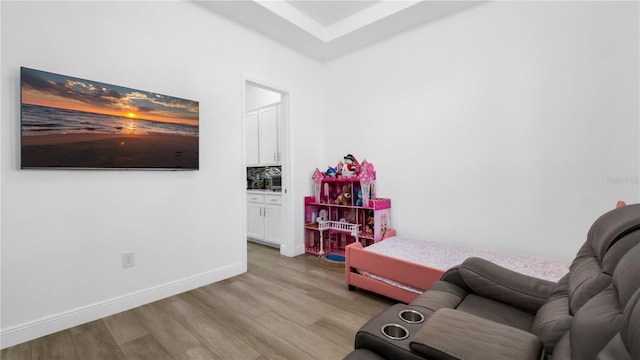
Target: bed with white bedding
{"points": [[402, 268]]}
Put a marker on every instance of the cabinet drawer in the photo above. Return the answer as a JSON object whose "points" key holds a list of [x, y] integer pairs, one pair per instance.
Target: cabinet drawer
{"points": [[273, 199], [255, 198]]}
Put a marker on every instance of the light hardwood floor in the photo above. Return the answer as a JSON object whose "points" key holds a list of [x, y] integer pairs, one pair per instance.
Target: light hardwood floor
{"points": [[282, 308]]}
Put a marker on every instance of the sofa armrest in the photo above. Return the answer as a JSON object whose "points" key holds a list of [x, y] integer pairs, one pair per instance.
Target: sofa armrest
{"points": [[495, 282], [451, 334]]}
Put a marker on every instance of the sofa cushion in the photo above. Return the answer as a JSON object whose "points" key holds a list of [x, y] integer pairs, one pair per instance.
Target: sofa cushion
{"points": [[442, 294], [595, 324], [496, 311], [608, 228], [453, 334], [607, 242], [562, 350], [630, 333], [626, 344], [586, 280], [363, 354], [600, 318], [493, 281], [615, 350], [626, 276], [552, 321]]}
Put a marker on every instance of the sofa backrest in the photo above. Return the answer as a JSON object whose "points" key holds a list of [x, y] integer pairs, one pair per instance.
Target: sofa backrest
{"points": [[610, 237], [601, 318], [607, 241], [626, 344], [630, 332]]}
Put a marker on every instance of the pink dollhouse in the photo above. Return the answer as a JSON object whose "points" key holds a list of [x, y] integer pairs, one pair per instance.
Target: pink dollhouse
{"points": [[344, 209]]}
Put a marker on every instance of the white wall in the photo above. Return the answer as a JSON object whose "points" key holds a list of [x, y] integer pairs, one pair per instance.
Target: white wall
{"points": [[511, 125], [64, 232]]}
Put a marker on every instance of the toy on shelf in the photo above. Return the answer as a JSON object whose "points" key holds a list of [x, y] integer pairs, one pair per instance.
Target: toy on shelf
{"points": [[344, 209], [317, 183], [350, 167], [367, 177], [323, 216], [345, 197], [348, 171], [370, 223], [342, 226]]}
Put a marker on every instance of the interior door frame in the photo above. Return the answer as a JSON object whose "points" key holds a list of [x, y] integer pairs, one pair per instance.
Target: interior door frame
{"points": [[288, 246]]}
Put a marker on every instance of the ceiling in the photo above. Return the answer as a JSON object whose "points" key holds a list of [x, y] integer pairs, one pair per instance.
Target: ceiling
{"points": [[329, 29], [327, 13]]}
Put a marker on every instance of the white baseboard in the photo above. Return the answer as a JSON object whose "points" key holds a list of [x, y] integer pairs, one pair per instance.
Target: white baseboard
{"points": [[30, 330], [299, 249]]}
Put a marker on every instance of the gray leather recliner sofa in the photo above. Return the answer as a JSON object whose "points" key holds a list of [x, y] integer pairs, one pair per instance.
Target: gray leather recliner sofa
{"points": [[501, 314]]}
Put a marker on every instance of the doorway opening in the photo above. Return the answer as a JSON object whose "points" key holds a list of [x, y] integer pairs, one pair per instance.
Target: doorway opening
{"points": [[266, 164]]}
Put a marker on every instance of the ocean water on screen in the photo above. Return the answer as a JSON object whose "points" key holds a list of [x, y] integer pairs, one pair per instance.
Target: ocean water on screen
{"points": [[43, 120]]}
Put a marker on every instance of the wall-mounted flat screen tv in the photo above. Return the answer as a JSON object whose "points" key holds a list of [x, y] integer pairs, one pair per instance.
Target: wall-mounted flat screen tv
{"points": [[73, 123]]}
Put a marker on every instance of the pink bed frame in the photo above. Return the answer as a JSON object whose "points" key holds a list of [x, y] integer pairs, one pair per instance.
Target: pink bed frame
{"points": [[357, 258]]}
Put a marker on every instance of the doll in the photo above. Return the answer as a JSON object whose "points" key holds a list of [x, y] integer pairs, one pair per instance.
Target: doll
{"points": [[359, 199], [350, 167], [345, 197]]}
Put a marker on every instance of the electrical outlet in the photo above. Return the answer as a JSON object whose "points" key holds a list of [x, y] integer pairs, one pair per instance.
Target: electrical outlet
{"points": [[128, 260]]}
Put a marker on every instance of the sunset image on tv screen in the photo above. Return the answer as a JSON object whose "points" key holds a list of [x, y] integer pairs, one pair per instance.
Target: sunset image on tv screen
{"points": [[68, 122]]}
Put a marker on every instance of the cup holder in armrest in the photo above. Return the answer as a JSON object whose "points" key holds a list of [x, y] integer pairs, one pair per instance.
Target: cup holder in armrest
{"points": [[411, 316], [395, 331]]}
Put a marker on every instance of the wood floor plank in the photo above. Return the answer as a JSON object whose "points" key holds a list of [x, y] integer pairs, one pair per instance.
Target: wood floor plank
{"points": [[262, 339], [18, 352], [282, 308], [166, 330], [289, 309], [353, 307], [234, 300], [303, 281], [57, 346], [338, 334], [125, 327], [200, 353], [332, 310], [144, 348], [219, 335], [93, 341], [317, 346]]}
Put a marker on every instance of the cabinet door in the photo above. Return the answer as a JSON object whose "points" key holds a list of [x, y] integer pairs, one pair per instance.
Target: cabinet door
{"points": [[253, 139], [268, 124], [255, 221], [273, 226]]}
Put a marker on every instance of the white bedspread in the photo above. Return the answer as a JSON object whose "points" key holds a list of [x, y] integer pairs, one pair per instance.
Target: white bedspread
{"points": [[442, 256]]}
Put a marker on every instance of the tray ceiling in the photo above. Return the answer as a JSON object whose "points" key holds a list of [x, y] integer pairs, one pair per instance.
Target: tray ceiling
{"points": [[328, 29]]}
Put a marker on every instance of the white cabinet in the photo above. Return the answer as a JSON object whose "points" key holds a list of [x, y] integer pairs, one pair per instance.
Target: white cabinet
{"points": [[263, 147], [268, 125], [255, 221], [273, 219], [264, 217], [253, 139]]}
